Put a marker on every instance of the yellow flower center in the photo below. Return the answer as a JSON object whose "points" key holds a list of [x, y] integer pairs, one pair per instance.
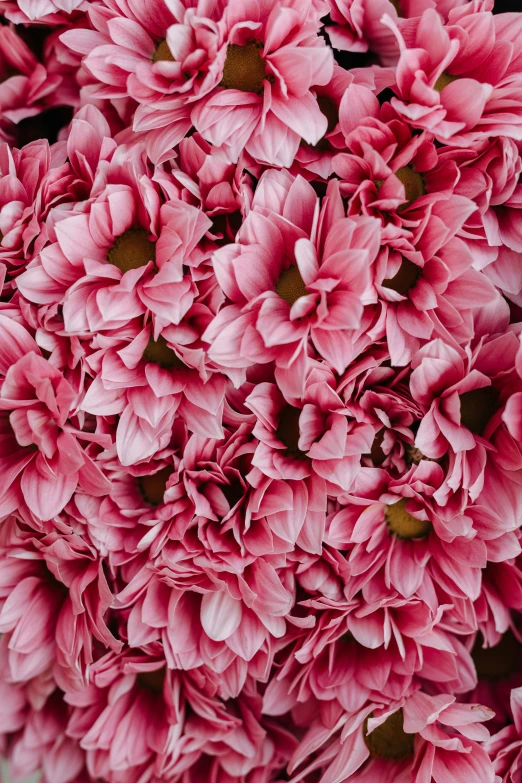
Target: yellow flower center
{"points": [[162, 52], [405, 278], [404, 524], [132, 250], [443, 81], [493, 663], [413, 183], [477, 407], [389, 741], [153, 487], [290, 285], [159, 352], [244, 68]]}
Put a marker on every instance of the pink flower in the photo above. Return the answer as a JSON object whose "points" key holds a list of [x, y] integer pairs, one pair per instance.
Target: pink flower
{"points": [[403, 540], [269, 61], [41, 451], [467, 410], [286, 288], [358, 25], [150, 382], [123, 256], [242, 74], [25, 85], [449, 79], [505, 747], [421, 737], [108, 716], [44, 745], [38, 184], [54, 602], [50, 12], [367, 648], [317, 438], [387, 171]]}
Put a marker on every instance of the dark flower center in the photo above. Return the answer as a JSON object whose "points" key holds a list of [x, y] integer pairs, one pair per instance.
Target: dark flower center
{"points": [[288, 429], [329, 108], [233, 492], [404, 524], [477, 407], [413, 183], [162, 52], [290, 285], [132, 250], [153, 487], [227, 224], [159, 352], [244, 68], [414, 455], [493, 663], [330, 111], [46, 125], [152, 681], [389, 741], [7, 73], [443, 81], [405, 278], [376, 453]]}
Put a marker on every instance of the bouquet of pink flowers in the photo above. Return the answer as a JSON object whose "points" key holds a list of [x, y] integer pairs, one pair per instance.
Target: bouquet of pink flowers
{"points": [[261, 391]]}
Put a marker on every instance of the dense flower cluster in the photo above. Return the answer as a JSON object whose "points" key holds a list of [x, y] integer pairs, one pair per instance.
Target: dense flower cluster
{"points": [[261, 391]]}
